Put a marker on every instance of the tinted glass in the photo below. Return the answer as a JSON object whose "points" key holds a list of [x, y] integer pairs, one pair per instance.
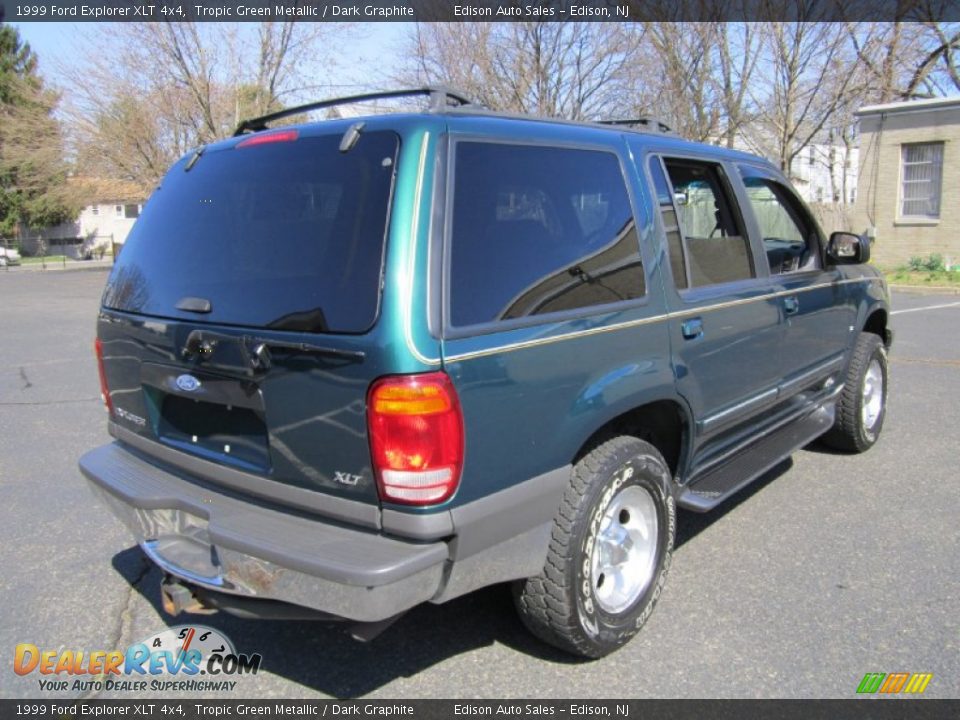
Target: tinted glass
{"points": [[718, 250], [788, 236], [671, 226], [283, 235], [539, 230]]}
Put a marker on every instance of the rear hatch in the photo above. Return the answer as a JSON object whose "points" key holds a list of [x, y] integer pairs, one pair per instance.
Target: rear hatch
{"points": [[233, 325]]}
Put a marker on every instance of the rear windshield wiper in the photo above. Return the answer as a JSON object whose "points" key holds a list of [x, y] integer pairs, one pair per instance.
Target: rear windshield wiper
{"points": [[256, 350], [304, 347]]}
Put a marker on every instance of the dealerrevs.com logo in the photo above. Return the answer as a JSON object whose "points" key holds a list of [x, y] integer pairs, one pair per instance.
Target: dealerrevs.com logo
{"points": [[187, 658]]}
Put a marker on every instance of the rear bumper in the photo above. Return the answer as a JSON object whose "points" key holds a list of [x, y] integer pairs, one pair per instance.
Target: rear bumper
{"points": [[228, 543]]}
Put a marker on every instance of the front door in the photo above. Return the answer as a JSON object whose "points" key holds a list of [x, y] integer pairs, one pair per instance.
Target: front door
{"points": [[818, 314]]}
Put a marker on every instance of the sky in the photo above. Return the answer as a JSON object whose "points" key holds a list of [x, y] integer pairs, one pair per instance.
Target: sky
{"points": [[364, 63]]}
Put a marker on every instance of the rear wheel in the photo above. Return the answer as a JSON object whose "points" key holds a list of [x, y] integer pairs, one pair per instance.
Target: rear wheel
{"points": [[863, 402], [609, 552]]}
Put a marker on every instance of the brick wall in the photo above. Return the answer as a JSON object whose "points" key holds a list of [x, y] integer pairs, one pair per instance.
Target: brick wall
{"points": [[878, 195]]}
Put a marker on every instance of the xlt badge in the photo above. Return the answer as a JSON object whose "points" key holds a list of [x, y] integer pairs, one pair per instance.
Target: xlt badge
{"points": [[345, 478]]}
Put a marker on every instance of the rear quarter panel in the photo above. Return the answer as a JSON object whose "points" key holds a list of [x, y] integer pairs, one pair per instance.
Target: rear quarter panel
{"points": [[532, 395]]}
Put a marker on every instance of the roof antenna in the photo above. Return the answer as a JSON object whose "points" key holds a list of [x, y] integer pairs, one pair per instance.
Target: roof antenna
{"points": [[350, 137]]}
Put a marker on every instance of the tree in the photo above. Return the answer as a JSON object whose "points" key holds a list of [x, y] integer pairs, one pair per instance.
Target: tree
{"points": [[738, 50], [682, 97], [906, 60], [810, 73], [33, 173], [161, 89], [571, 70]]}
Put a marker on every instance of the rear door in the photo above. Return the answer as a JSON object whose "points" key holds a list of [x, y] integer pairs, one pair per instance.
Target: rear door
{"points": [[725, 320], [237, 327]]}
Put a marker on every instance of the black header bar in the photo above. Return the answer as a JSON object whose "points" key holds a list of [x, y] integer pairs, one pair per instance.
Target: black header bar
{"points": [[478, 10]]}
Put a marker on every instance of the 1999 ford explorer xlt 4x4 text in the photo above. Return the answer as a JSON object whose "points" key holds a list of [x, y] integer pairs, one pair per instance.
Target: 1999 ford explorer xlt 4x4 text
{"points": [[356, 365]]}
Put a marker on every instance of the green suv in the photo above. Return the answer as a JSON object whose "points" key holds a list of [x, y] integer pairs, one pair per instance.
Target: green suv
{"points": [[356, 365]]}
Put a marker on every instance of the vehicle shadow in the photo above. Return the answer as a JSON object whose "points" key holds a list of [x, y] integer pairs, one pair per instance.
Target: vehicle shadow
{"points": [[821, 448], [323, 657], [691, 524]]}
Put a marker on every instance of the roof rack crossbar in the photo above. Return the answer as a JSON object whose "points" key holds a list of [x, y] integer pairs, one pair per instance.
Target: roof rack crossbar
{"points": [[440, 98], [646, 122]]}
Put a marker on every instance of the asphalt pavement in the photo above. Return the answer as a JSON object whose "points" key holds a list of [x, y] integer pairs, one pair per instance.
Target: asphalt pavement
{"points": [[827, 568]]}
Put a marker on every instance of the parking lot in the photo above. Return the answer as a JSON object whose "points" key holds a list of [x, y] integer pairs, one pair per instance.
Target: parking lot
{"points": [[829, 567]]}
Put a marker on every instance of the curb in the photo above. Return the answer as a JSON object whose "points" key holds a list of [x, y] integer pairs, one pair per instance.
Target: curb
{"points": [[56, 267], [927, 289]]}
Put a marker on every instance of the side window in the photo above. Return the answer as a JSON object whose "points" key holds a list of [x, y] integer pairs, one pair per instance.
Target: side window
{"points": [[671, 226], [789, 235], [537, 230], [718, 250]]}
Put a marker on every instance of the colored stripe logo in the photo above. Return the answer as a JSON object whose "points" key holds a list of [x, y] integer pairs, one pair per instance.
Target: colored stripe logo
{"points": [[913, 683]]}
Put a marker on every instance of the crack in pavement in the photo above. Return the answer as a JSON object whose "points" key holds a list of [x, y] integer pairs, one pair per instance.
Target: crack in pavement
{"points": [[26, 381], [125, 621]]}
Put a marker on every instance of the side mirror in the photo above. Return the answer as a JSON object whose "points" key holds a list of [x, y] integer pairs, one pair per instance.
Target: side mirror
{"points": [[845, 248]]}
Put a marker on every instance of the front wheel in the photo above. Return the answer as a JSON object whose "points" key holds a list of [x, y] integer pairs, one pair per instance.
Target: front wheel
{"points": [[609, 551], [862, 406]]}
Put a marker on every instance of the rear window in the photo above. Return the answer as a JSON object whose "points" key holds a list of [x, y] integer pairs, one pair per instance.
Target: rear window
{"points": [[281, 235]]}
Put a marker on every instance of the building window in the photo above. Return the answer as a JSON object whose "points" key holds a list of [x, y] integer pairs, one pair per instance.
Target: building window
{"points": [[920, 175], [95, 210], [853, 195], [813, 156], [118, 210], [131, 211]]}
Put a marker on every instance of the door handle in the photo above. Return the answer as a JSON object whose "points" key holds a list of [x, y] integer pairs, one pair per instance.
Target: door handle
{"points": [[791, 305], [692, 328]]}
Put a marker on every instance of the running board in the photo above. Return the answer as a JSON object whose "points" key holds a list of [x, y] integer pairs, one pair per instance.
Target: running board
{"points": [[724, 479]]}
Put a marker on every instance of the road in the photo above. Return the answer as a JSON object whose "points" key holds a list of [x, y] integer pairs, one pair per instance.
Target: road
{"points": [[829, 567]]}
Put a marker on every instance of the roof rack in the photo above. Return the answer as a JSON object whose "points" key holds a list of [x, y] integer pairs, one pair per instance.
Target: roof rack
{"points": [[645, 122], [440, 99]]}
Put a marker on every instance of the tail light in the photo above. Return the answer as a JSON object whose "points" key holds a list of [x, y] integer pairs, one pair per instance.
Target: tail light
{"points": [[104, 388], [267, 138], [416, 438]]}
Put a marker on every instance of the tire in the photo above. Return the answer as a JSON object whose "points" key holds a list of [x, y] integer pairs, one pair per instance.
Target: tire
{"points": [[617, 491], [862, 406]]}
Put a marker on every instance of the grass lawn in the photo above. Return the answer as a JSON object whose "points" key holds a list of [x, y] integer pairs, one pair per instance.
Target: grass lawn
{"points": [[924, 278], [49, 259]]}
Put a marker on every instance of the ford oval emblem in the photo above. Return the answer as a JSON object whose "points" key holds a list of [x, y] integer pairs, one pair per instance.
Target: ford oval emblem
{"points": [[188, 383]]}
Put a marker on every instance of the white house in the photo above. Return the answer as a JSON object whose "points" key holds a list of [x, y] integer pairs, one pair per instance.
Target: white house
{"points": [[826, 174], [113, 208]]}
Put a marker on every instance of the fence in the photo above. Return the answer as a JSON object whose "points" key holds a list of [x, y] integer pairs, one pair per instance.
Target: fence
{"points": [[55, 253]]}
